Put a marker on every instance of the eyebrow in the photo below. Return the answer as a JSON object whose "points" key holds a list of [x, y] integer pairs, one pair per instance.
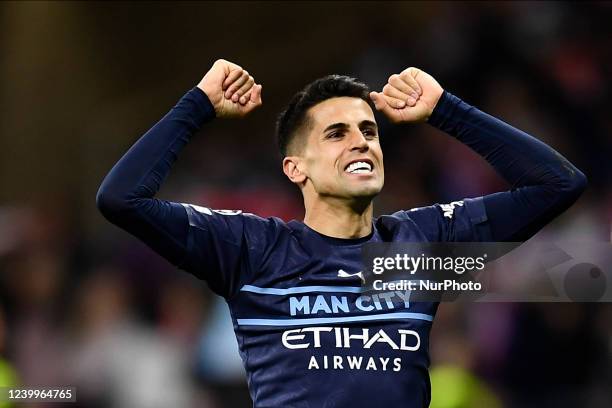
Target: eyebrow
{"points": [[363, 124]]}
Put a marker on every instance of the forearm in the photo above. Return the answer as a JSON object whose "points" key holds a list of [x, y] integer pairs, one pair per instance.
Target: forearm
{"points": [[543, 182], [140, 172], [126, 195]]}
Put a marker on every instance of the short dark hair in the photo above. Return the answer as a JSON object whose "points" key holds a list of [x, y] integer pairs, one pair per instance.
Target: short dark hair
{"points": [[294, 116]]}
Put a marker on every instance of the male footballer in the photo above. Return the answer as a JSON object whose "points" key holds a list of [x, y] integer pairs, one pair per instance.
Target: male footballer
{"points": [[308, 335]]}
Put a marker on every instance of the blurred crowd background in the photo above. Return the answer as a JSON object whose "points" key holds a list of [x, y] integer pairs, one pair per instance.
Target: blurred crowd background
{"points": [[85, 304]]}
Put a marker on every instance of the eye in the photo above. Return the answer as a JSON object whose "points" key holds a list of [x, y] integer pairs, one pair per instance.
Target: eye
{"points": [[370, 133], [335, 134]]}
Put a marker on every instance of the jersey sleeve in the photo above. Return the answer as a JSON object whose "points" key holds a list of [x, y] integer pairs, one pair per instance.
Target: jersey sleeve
{"points": [[225, 247], [219, 247], [458, 221], [543, 183]]}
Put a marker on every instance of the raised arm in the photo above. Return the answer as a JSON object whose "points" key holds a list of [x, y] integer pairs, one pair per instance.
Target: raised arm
{"points": [[126, 196], [543, 183]]}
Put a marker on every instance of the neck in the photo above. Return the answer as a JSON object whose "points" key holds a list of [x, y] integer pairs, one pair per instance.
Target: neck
{"points": [[339, 219]]}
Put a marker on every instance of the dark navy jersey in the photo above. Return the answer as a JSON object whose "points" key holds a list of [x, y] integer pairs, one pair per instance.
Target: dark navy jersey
{"points": [[308, 333]]}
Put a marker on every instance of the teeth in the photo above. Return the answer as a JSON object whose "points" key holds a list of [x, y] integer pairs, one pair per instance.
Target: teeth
{"points": [[359, 168]]}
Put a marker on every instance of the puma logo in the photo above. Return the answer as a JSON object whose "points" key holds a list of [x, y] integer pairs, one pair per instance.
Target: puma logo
{"points": [[344, 274]]}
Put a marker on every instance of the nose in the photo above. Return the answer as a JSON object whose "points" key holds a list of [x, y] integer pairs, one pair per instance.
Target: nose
{"points": [[359, 142]]}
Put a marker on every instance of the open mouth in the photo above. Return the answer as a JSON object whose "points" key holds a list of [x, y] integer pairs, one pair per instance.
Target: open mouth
{"points": [[359, 167]]}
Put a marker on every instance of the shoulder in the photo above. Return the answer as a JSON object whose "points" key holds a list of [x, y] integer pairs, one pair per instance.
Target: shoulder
{"points": [[442, 222], [421, 220], [236, 220], [413, 216], [471, 208]]}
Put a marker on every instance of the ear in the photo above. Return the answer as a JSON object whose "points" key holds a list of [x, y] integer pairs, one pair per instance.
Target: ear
{"points": [[292, 167]]}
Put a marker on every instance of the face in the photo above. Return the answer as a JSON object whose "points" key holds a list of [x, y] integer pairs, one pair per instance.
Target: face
{"points": [[342, 157]]}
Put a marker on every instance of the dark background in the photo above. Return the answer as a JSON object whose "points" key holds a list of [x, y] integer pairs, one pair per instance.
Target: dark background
{"points": [[83, 303]]}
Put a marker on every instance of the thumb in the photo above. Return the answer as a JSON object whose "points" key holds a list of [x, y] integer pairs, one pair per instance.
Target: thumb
{"points": [[256, 95], [379, 102]]}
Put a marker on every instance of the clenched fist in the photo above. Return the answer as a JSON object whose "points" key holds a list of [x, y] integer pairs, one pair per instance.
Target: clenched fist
{"points": [[408, 97], [231, 90]]}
